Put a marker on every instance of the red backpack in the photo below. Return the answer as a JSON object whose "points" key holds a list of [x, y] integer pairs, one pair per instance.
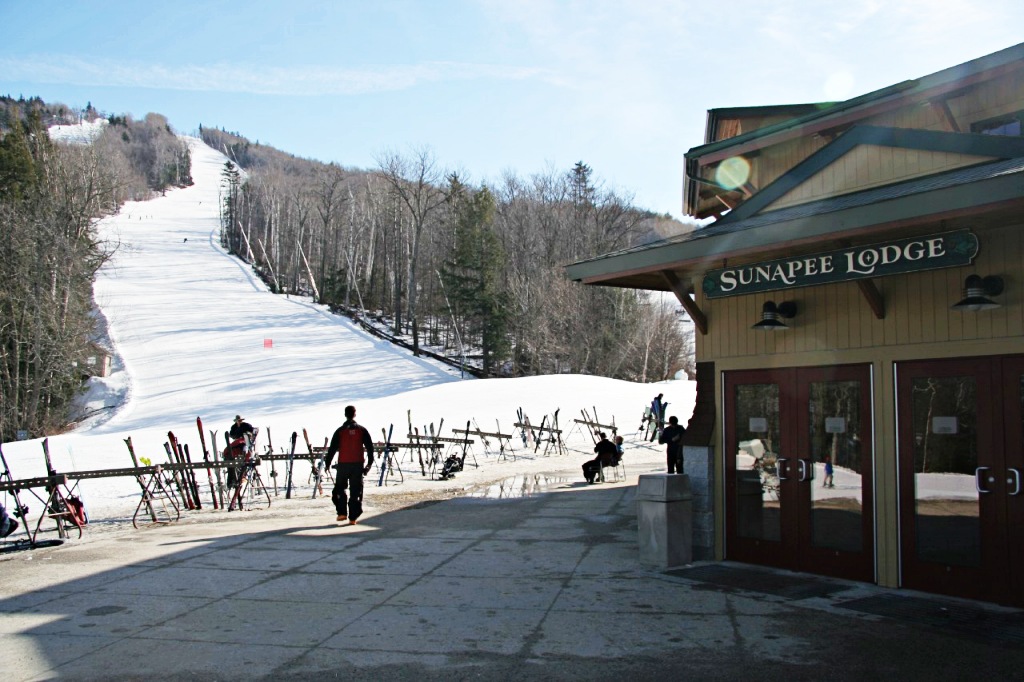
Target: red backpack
{"points": [[350, 449]]}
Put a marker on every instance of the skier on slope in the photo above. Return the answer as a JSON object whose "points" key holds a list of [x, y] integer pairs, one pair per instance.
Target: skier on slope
{"points": [[349, 442]]}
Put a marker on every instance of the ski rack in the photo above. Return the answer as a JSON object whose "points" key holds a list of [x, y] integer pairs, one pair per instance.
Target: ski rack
{"points": [[424, 441], [54, 505], [248, 483], [51, 484], [154, 491], [554, 436], [594, 426], [504, 440], [8, 484]]}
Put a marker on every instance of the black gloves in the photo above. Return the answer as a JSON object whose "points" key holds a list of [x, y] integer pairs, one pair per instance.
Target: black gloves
{"points": [[366, 470]]}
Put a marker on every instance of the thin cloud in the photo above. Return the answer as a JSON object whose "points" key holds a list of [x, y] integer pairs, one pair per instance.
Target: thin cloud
{"points": [[291, 81]]}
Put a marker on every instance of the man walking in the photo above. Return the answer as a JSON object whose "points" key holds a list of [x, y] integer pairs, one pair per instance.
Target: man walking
{"points": [[673, 437], [349, 441]]}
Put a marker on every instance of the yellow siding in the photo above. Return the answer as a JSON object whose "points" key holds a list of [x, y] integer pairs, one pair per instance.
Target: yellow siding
{"points": [[837, 317], [986, 101], [869, 166]]}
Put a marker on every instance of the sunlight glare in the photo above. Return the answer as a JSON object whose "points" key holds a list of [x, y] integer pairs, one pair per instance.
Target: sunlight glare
{"points": [[733, 172]]}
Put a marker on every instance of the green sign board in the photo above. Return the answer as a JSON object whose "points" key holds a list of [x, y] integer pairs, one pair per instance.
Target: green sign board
{"points": [[946, 250]]}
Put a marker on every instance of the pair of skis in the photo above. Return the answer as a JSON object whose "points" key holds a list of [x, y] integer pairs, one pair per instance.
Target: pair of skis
{"points": [[291, 466], [385, 457], [318, 466], [185, 480]]}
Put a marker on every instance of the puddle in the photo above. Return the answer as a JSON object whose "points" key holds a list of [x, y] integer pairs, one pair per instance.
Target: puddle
{"points": [[523, 485]]}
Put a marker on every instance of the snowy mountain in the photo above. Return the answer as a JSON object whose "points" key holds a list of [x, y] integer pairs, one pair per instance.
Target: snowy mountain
{"points": [[196, 333]]}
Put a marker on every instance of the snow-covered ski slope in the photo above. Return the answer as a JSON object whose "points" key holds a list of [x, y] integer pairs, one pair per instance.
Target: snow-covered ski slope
{"points": [[199, 335]]}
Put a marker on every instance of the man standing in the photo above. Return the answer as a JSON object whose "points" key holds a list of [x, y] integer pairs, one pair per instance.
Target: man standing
{"points": [[657, 415], [349, 441], [240, 435], [673, 437]]}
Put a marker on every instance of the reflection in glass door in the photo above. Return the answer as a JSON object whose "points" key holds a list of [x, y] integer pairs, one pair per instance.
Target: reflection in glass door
{"points": [[756, 475], [836, 451], [946, 500]]}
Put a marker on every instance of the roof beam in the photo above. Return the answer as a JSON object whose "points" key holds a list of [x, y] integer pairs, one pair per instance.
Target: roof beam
{"points": [[941, 107], [873, 297], [689, 305]]}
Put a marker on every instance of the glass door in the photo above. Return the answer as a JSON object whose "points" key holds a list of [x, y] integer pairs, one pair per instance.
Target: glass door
{"points": [[960, 462], [798, 469]]}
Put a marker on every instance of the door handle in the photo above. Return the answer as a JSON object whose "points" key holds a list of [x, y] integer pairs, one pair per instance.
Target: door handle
{"points": [[803, 471], [1014, 480], [977, 479], [780, 466]]}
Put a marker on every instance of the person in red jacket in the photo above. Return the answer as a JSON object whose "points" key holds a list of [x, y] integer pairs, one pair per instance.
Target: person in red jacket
{"points": [[349, 442]]}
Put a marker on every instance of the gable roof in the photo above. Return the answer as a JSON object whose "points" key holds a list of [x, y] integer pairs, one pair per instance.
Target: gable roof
{"points": [[840, 113], [976, 147]]}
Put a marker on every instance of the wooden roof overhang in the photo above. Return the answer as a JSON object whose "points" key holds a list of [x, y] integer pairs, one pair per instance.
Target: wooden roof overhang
{"points": [[987, 192], [832, 119]]}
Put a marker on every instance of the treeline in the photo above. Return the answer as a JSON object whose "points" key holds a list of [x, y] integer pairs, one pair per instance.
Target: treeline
{"points": [[475, 269], [51, 196]]}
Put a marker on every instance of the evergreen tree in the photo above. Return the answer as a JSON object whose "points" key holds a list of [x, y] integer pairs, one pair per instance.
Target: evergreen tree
{"points": [[473, 275], [17, 168]]}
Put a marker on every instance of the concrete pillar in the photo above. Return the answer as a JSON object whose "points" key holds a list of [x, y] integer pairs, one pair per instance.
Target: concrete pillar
{"points": [[700, 468], [664, 520]]}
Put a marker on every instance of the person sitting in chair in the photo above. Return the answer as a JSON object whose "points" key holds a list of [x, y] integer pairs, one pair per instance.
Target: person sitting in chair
{"points": [[605, 450]]}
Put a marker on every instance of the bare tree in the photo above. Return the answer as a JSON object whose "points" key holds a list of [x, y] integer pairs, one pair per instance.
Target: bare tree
{"points": [[417, 182]]}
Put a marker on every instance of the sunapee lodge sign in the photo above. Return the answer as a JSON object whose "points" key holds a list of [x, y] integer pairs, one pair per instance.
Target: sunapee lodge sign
{"points": [[945, 250]]}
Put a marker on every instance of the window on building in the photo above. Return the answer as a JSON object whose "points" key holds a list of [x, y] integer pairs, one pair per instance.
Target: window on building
{"points": [[1011, 125]]}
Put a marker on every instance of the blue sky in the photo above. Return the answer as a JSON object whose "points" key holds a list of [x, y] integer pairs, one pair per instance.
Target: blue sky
{"points": [[487, 85]]}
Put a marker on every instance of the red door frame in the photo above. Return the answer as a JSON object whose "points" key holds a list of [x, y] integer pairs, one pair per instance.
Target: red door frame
{"points": [[795, 550], [999, 448]]}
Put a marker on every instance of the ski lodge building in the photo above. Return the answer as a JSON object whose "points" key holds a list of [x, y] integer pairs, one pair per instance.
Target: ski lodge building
{"points": [[859, 307]]}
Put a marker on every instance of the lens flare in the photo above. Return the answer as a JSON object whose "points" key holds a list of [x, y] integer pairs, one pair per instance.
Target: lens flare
{"points": [[733, 172]]}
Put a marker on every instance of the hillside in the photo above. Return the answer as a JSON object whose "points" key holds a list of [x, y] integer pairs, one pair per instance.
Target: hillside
{"points": [[198, 334]]}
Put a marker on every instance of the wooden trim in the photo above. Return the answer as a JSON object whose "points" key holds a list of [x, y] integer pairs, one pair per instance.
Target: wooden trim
{"points": [[873, 297], [689, 305], [946, 114], [996, 147], [700, 429]]}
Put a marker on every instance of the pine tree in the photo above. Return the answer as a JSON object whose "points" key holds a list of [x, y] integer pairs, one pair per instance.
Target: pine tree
{"points": [[473, 275], [17, 167]]}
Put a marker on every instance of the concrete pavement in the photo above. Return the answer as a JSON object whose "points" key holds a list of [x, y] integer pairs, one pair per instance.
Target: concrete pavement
{"points": [[538, 583]]}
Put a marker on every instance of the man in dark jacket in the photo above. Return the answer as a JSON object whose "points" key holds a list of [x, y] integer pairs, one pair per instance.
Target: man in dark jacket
{"points": [[657, 415], [349, 442], [673, 437], [606, 453], [240, 436]]}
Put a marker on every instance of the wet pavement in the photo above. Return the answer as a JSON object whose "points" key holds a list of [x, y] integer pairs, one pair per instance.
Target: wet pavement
{"points": [[534, 577]]}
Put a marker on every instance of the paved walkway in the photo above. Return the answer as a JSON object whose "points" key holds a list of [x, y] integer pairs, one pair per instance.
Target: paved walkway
{"points": [[545, 586]]}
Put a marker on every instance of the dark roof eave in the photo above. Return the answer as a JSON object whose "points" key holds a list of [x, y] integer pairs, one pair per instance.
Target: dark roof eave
{"points": [[737, 241]]}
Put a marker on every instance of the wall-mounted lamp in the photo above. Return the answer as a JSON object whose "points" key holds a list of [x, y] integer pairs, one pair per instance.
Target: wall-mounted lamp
{"points": [[770, 314], [976, 293]]}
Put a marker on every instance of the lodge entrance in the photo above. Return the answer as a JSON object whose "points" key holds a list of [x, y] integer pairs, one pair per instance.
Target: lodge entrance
{"points": [[961, 457], [785, 430]]}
